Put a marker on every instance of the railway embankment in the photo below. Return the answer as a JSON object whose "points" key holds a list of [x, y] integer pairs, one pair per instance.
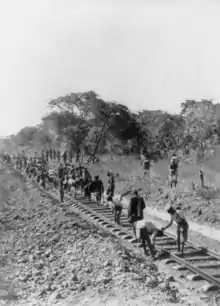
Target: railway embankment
{"points": [[49, 257], [203, 235], [200, 206]]}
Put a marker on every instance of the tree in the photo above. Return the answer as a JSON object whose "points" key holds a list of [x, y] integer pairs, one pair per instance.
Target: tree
{"points": [[70, 127], [85, 120], [89, 108]]}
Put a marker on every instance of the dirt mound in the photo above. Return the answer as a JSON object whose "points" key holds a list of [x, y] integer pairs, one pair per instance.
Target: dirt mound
{"points": [[48, 255]]}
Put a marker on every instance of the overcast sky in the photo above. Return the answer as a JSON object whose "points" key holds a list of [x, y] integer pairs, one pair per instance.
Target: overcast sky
{"points": [[143, 53]]}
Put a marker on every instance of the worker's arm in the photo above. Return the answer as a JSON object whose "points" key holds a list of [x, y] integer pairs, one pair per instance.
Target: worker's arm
{"points": [[154, 236], [167, 226], [124, 194]]}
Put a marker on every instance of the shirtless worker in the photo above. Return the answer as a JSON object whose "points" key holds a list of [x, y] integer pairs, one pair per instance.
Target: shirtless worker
{"points": [[182, 226], [173, 170]]}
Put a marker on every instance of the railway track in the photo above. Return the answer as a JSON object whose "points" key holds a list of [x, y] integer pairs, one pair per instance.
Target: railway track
{"points": [[203, 264]]}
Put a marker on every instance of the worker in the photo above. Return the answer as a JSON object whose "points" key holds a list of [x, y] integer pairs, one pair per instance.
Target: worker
{"points": [[145, 229], [136, 210], [182, 226]]}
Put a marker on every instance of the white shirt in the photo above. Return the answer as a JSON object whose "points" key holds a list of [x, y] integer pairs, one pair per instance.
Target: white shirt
{"points": [[148, 225], [145, 223]]}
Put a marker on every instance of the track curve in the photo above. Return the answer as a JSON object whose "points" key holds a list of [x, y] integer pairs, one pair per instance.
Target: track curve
{"points": [[204, 264]]}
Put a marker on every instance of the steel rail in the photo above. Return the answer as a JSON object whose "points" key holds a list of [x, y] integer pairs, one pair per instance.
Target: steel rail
{"points": [[177, 259], [127, 235]]}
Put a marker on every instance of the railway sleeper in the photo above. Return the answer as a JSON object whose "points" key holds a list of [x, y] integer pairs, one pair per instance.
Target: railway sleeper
{"points": [[133, 240], [210, 287], [100, 210], [188, 253], [205, 266], [179, 268], [198, 277], [103, 211], [127, 237], [95, 218], [167, 248], [110, 218], [165, 243], [201, 258], [208, 266], [109, 226], [88, 213], [98, 207], [171, 242], [116, 230], [108, 215], [164, 238], [103, 222], [121, 234]]}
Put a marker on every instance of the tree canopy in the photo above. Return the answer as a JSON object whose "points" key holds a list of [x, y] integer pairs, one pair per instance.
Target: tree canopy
{"points": [[84, 120]]}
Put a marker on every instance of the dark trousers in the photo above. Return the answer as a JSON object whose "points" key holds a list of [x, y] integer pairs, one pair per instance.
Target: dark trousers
{"points": [[144, 236], [61, 195], [135, 219]]}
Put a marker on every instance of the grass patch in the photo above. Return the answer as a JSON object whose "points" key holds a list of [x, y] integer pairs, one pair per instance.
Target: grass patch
{"points": [[208, 193]]}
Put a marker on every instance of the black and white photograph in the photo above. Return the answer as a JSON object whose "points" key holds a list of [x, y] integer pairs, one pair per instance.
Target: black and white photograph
{"points": [[109, 153]]}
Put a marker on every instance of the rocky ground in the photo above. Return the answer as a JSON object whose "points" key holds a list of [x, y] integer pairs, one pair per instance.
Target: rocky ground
{"points": [[51, 257]]}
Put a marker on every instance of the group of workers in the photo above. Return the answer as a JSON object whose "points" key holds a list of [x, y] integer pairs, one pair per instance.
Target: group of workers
{"points": [[68, 176], [143, 228]]}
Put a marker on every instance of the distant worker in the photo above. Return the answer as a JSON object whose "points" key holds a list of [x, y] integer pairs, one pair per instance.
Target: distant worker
{"points": [[78, 156], [60, 171], [47, 155], [54, 154], [70, 156], [201, 176], [58, 155], [187, 151], [51, 153], [173, 171], [111, 185], [64, 157], [146, 166], [61, 189]]}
